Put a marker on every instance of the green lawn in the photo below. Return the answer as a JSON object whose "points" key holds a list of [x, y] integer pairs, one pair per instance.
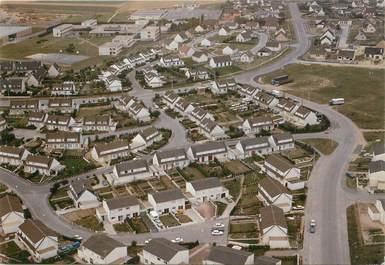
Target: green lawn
{"points": [[123, 227], [234, 187], [325, 146], [221, 207], [168, 220], [12, 251], [363, 90], [244, 230], [74, 166], [138, 225], [90, 222], [359, 253]]}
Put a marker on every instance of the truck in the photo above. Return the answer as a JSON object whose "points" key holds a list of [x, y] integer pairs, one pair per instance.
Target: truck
{"points": [[280, 80], [276, 93], [337, 101]]}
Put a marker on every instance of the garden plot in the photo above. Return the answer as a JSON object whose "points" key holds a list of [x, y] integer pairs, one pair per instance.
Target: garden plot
{"points": [[178, 180], [244, 229], [236, 167], [85, 218], [140, 189], [168, 220]]}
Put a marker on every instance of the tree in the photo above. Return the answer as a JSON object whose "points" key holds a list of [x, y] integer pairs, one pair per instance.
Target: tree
{"points": [[71, 48]]}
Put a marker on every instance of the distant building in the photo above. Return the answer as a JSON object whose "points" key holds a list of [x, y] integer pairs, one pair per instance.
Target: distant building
{"points": [[62, 30], [110, 48], [150, 33]]}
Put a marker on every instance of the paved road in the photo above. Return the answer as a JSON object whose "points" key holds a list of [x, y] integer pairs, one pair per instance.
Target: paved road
{"points": [[262, 40], [327, 200]]}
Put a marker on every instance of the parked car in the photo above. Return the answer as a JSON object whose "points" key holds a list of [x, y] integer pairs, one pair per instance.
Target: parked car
{"points": [[312, 226], [177, 240], [219, 225], [216, 232]]}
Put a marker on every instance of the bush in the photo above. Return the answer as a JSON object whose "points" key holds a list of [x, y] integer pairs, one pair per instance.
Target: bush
{"points": [[322, 126]]}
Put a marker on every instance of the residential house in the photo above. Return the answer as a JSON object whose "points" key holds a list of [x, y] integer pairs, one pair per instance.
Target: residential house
{"points": [[186, 51], [272, 192], [281, 35], [59, 122], [274, 46], [220, 87], [170, 98], [184, 106], [199, 57], [145, 138], [220, 61], [54, 70], [20, 106], [44, 165], [247, 90], [257, 124], [207, 189], [14, 85], [243, 37], [26, 66], [283, 170], [376, 211], [180, 37], [154, 79], [228, 50], [102, 123], [368, 28], [80, 191], [106, 152], [376, 175], [40, 241], [254, 146], [267, 260], [36, 78], [346, 55], [13, 155], [208, 152], [163, 251], [266, 100], [198, 115], [110, 49], [113, 83], [211, 129], [197, 74], [137, 110], [64, 140], [11, 214], [171, 61], [200, 29], [374, 53], [224, 31], [172, 45], [304, 116], [170, 159], [221, 255], [378, 151], [118, 210], [283, 141], [64, 105], [37, 119], [271, 23], [264, 52], [3, 124], [206, 43], [360, 36], [245, 57], [129, 171], [164, 202], [273, 227], [68, 88], [101, 249]]}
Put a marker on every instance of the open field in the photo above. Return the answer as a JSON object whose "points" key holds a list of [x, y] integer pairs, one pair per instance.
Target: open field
{"points": [[359, 253], [325, 146], [363, 90]]}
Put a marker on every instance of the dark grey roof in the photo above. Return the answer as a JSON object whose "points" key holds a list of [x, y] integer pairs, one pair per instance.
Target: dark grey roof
{"points": [[379, 149], [212, 147], [102, 244], [374, 51], [255, 143], [171, 155], [376, 166], [228, 256], [265, 260], [273, 187], [167, 195], [163, 248], [122, 202], [206, 183], [272, 215], [128, 166]]}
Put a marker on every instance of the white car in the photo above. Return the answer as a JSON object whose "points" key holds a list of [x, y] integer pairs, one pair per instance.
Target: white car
{"points": [[219, 225], [147, 241], [177, 240], [217, 233]]}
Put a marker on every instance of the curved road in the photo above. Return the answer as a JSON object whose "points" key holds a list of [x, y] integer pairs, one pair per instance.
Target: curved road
{"points": [[327, 196]]}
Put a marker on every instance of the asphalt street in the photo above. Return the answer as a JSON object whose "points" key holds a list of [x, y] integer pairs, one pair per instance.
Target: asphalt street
{"points": [[327, 198]]}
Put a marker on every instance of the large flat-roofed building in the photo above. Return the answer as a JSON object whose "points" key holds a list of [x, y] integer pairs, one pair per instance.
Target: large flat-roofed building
{"points": [[62, 30], [149, 14], [12, 33], [150, 33], [115, 29], [110, 48]]}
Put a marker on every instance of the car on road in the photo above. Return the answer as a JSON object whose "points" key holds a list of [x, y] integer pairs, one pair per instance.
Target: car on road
{"points": [[219, 225], [147, 241], [312, 226], [217, 232], [177, 240]]}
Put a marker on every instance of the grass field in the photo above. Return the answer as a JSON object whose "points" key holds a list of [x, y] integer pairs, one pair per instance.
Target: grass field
{"points": [[363, 90], [325, 146], [359, 253]]}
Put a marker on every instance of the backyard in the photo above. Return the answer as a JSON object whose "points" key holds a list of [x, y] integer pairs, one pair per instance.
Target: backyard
{"points": [[322, 83], [325, 146]]}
